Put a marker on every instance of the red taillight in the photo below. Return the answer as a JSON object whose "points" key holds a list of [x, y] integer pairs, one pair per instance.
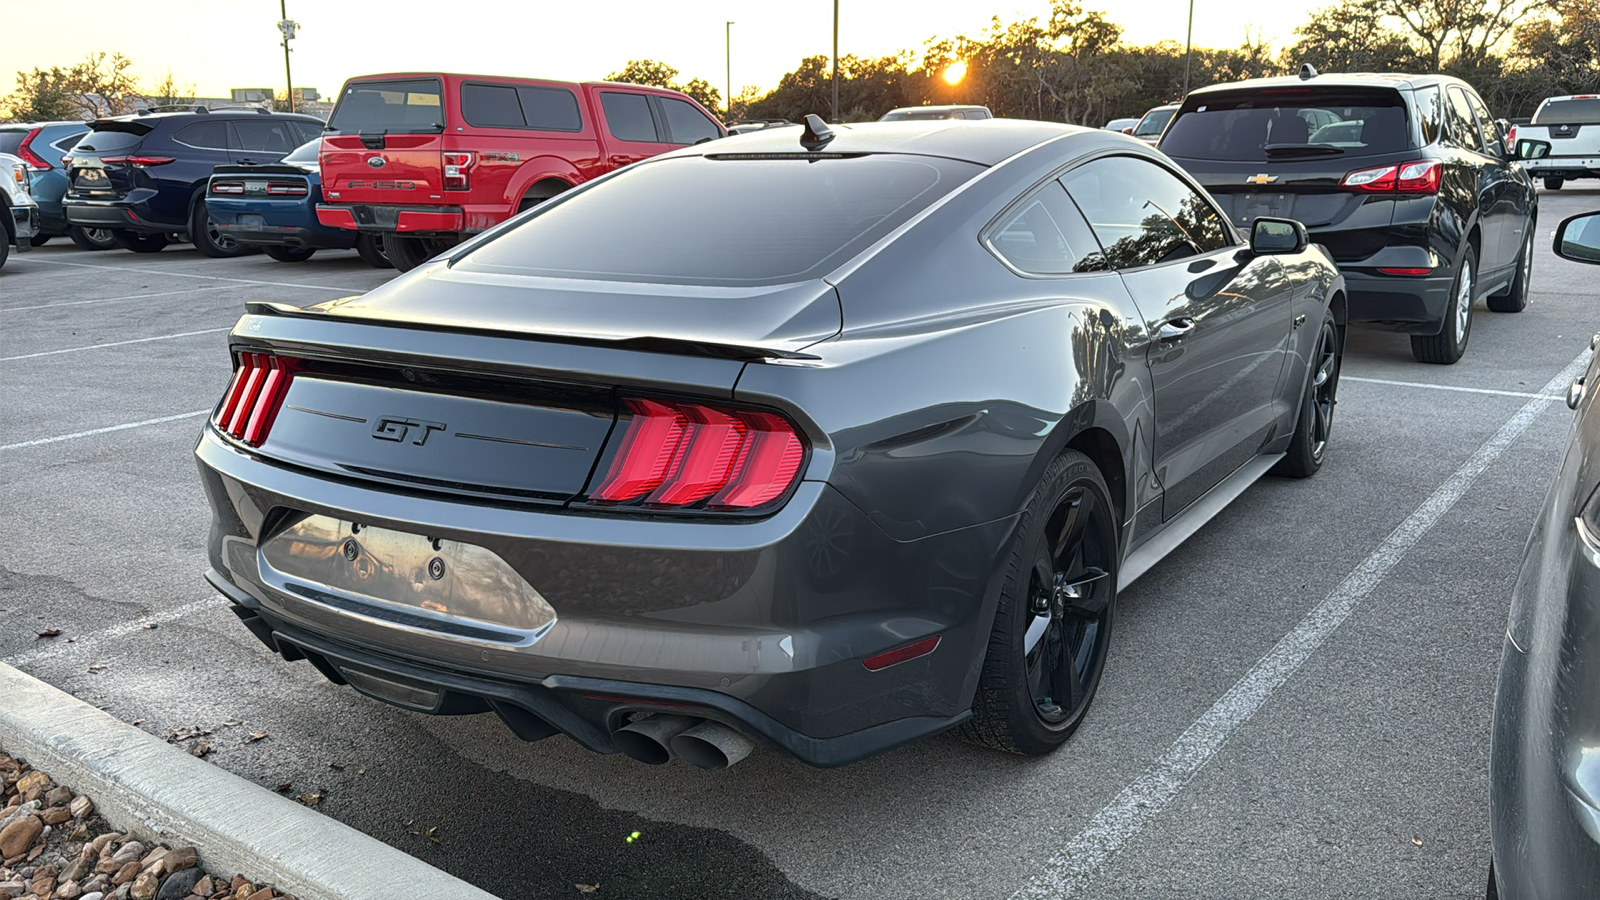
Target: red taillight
{"points": [[1511, 136], [676, 455], [457, 168], [26, 154], [227, 187], [143, 162], [900, 654], [260, 382], [286, 189], [1419, 177]]}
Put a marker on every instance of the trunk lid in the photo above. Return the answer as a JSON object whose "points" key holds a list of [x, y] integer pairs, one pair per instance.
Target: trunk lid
{"points": [[98, 167], [385, 141]]}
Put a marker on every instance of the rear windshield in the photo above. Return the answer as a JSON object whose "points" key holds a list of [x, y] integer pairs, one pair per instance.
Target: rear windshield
{"points": [[99, 141], [1292, 123], [10, 141], [1568, 112], [393, 106], [672, 221], [1153, 122]]}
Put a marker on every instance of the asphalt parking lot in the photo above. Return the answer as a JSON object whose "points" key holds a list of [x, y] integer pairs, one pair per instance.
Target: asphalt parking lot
{"points": [[1297, 701]]}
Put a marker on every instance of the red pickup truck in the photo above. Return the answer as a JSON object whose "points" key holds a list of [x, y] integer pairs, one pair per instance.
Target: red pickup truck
{"points": [[425, 159]]}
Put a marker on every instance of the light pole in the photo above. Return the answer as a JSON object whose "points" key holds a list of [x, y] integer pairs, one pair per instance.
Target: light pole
{"points": [[727, 57], [1188, 47], [287, 27], [835, 60]]}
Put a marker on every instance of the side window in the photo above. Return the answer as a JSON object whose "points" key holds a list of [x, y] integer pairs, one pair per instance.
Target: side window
{"points": [[1143, 214], [491, 106], [1463, 129], [550, 109], [628, 116], [205, 135], [266, 136], [1047, 235], [1429, 113], [68, 142], [307, 131], [1491, 131], [686, 124]]}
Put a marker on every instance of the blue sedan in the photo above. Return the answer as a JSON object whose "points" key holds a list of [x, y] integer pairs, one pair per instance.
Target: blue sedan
{"points": [[274, 207]]}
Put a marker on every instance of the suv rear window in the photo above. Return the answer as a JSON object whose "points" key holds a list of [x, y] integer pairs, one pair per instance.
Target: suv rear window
{"points": [[11, 140], [1568, 112], [101, 141], [395, 106], [671, 222], [1288, 123]]}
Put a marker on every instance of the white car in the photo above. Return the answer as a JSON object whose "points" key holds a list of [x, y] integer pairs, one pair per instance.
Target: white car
{"points": [[1572, 127], [22, 220]]}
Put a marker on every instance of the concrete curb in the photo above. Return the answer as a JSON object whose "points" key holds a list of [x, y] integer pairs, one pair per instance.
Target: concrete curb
{"points": [[154, 789]]}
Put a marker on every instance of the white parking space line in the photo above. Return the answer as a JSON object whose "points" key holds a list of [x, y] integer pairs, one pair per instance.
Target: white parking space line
{"points": [[143, 271], [61, 645], [1451, 387], [144, 340], [13, 309], [1073, 868], [106, 430]]}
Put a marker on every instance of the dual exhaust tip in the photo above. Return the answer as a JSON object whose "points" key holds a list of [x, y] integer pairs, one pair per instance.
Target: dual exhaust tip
{"points": [[702, 743]]}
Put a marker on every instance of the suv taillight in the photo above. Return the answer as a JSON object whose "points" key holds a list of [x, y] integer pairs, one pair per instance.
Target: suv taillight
{"points": [[26, 154], [457, 168], [143, 162], [1419, 177], [677, 455], [260, 382]]}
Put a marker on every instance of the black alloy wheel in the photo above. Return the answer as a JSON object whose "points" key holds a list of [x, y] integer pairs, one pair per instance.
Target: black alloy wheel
{"points": [[91, 238], [370, 248], [1515, 297], [1309, 445], [138, 243], [406, 252], [1446, 347], [290, 254], [209, 239], [1053, 625]]}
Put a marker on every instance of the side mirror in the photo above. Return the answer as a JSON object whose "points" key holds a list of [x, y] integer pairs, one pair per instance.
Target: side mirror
{"points": [[1530, 149], [1578, 238], [1272, 236]]}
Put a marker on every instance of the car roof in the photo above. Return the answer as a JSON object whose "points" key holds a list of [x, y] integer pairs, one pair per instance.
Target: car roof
{"points": [[1333, 80], [465, 76], [239, 113], [13, 126], [982, 141]]}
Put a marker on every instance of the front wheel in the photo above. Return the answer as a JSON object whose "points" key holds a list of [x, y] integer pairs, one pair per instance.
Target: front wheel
{"points": [[370, 248], [138, 243], [1446, 347], [290, 254], [91, 238], [406, 252], [1053, 623], [1309, 444]]}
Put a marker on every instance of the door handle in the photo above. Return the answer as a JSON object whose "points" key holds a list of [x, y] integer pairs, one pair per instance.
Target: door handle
{"points": [[624, 160], [1173, 329]]}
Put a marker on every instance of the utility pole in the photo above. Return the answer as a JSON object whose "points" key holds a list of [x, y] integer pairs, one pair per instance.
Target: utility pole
{"points": [[1188, 47], [727, 57], [836, 60], [287, 27]]}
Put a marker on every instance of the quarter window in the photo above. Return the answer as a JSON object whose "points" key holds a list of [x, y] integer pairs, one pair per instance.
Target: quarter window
{"points": [[1047, 235], [205, 135], [628, 117], [1142, 214], [550, 109], [686, 124]]}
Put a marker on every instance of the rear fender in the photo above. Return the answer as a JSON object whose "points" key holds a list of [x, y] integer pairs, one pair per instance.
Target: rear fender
{"points": [[541, 168]]}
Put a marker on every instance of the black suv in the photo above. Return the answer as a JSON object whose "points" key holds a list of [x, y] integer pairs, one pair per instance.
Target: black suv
{"points": [[1405, 179], [144, 176]]}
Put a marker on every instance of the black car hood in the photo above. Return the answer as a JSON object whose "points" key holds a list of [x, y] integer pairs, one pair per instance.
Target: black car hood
{"points": [[743, 322]]}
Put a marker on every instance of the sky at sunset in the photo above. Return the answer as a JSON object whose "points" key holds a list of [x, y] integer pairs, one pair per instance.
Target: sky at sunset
{"points": [[220, 44]]}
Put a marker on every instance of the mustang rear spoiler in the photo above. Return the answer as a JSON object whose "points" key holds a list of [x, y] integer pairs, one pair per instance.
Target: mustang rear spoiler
{"points": [[642, 343]]}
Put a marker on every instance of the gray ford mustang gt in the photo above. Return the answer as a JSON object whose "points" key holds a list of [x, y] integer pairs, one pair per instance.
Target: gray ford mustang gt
{"points": [[819, 440]]}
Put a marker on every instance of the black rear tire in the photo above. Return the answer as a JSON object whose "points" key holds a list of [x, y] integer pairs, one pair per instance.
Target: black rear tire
{"points": [[370, 248], [5, 246], [1554, 184], [91, 238], [1309, 445], [406, 252], [138, 243], [1515, 298], [290, 254], [208, 239], [39, 240], [1052, 626], [1446, 347]]}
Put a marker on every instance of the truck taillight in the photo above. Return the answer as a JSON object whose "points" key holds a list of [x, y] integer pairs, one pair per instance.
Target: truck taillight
{"points": [[260, 382], [457, 171], [677, 455], [1511, 136], [1419, 177]]}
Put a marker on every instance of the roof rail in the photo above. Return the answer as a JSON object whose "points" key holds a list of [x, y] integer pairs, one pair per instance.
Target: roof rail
{"points": [[174, 107]]}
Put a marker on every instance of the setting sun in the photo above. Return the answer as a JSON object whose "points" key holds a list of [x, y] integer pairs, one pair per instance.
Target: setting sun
{"points": [[956, 71]]}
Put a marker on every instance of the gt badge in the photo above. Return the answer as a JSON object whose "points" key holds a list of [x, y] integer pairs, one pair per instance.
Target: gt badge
{"points": [[395, 429], [1261, 179]]}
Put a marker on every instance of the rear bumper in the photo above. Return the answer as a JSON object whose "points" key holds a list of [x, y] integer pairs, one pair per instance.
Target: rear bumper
{"points": [[260, 234], [409, 220], [1564, 167], [1406, 303], [117, 214]]}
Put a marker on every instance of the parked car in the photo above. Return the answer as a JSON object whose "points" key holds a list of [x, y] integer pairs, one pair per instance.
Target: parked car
{"points": [[1544, 766], [41, 145], [425, 159], [274, 207], [1406, 179], [143, 176], [922, 113], [21, 221], [1125, 126], [748, 125], [645, 452], [1571, 125], [1152, 122]]}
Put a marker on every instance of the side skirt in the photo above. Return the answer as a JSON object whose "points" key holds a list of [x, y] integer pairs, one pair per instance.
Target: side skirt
{"points": [[1190, 520]]}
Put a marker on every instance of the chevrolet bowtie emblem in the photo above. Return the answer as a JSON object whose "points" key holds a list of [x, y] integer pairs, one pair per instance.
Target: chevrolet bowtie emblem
{"points": [[1261, 179]]}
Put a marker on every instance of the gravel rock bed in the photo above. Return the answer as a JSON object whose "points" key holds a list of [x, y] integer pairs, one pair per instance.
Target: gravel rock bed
{"points": [[53, 846]]}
